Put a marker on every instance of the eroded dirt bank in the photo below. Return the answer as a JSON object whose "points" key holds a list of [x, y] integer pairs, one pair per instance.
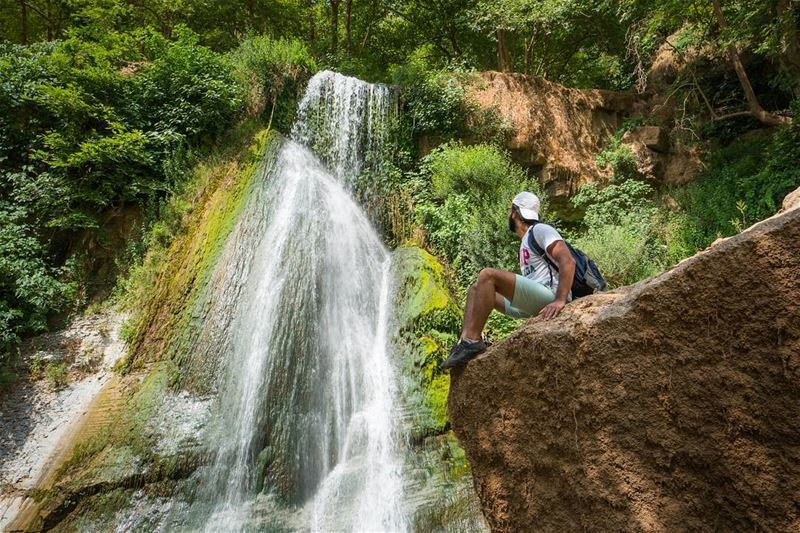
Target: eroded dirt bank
{"points": [[670, 405]]}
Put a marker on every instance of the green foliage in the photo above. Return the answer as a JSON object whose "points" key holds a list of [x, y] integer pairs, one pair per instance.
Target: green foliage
{"points": [[271, 71], [624, 253], [619, 158], [742, 183], [56, 373], [37, 366], [30, 289], [465, 216], [436, 103], [623, 230], [631, 236], [96, 124], [481, 171], [574, 42], [615, 203], [86, 128], [183, 87]]}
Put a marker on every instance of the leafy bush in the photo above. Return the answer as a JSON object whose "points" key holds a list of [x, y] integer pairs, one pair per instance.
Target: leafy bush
{"points": [[615, 203], [742, 184], [56, 373], [30, 288], [619, 158], [624, 253], [466, 215], [481, 171], [183, 87], [437, 104], [623, 230], [271, 72], [95, 124], [87, 127]]}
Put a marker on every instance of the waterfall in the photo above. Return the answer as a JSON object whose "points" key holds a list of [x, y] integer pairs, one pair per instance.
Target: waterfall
{"points": [[306, 408]]}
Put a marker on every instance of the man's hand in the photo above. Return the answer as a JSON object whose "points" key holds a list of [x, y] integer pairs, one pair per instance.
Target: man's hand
{"points": [[552, 310]]}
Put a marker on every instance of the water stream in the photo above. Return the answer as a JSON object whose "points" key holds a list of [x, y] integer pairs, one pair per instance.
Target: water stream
{"points": [[290, 411], [306, 410]]}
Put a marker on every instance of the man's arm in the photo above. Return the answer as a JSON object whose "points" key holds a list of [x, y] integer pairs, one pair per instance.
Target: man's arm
{"points": [[566, 273]]}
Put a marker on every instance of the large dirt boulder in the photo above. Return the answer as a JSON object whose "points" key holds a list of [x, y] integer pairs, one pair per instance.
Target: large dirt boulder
{"points": [[670, 405]]}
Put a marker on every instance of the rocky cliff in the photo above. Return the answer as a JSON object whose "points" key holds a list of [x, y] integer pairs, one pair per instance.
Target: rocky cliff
{"points": [[670, 405], [557, 132]]}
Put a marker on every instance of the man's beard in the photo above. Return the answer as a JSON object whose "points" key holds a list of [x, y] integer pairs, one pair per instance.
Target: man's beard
{"points": [[512, 226]]}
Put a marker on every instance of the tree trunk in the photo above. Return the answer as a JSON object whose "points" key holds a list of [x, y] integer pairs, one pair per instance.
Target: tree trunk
{"points": [[503, 59], [348, 9], [335, 26], [451, 33], [23, 37], [791, 44], [50, 25], [756, 110], [312, 21]]}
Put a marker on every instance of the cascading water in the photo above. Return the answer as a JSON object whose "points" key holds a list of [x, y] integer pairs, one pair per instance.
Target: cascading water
{"points": [[274, 405], [306, 408]]}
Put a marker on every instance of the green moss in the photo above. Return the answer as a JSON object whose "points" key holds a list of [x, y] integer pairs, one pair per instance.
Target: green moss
{"points": [[426, 301], [167, 289], [428, 323], [436, 395]]}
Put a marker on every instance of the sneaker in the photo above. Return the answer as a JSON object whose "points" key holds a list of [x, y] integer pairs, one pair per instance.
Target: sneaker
{"points": [[462, 352]]}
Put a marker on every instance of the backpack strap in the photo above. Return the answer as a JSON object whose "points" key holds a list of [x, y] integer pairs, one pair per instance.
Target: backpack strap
{"points": [[540, 251]]}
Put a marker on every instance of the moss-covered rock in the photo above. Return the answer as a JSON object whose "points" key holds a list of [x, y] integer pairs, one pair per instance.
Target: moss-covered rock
{"points": [[129, 439], [428, 321], [165, 315]]}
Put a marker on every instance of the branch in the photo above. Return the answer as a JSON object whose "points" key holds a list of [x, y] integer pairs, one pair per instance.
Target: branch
{"points": [[36, 10], [694, 80], [757, 111]]}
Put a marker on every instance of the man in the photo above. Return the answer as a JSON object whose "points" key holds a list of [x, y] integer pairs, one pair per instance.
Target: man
{"points": [[540, 289]]}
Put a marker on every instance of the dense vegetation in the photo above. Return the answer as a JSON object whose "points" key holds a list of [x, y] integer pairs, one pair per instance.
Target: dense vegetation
{"points": [[105, 104]]}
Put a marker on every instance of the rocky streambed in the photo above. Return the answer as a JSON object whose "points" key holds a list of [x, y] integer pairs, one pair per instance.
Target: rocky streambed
{"points": [[63, 374]]}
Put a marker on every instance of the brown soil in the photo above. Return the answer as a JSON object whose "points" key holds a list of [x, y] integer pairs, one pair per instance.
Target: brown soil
{"points": [[670, 405], [556, 130]]}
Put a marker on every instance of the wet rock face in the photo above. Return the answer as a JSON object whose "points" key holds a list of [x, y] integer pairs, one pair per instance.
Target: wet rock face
{"points": [[427, 323], [670, 405]]}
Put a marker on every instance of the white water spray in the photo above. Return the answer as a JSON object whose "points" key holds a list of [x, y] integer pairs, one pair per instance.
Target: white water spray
{"points": [[307, 407]]}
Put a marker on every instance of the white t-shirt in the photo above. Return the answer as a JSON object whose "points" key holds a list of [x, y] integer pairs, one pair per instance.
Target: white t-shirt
{"points": [[532, 265]]}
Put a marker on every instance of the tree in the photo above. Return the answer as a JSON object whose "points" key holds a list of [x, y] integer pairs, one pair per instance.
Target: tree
{"points": [[770, 119], [335, 25], [348, 11], [562, 40]]}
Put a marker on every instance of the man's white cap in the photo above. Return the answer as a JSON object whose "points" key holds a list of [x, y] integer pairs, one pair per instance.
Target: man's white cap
{"points": [[528, 204]]}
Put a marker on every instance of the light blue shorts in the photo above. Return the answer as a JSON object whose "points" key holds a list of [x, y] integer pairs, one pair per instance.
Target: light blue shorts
{"points": [[529, 298]]}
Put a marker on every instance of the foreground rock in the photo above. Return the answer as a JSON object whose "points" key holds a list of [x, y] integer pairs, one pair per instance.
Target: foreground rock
{"points": [[670, 405]]}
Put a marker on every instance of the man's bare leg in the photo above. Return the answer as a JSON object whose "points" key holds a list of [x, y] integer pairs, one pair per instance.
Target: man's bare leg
{"points": [[481, 299]]}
